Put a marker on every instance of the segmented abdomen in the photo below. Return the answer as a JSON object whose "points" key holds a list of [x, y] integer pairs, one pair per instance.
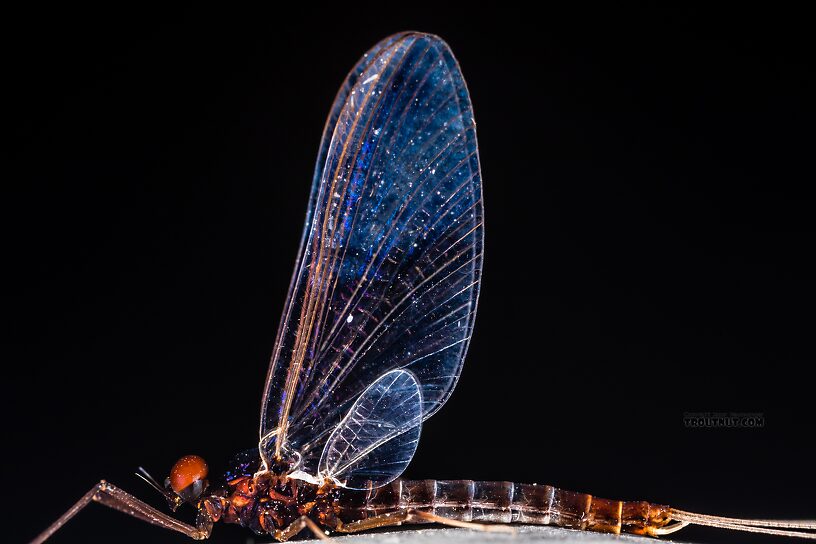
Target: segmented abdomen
{"points": [[503, 502]]}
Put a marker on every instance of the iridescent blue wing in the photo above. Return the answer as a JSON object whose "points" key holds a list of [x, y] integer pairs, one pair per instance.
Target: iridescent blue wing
{"points": [[271, 404], [325, 142], [389, 268], [376, 440]]}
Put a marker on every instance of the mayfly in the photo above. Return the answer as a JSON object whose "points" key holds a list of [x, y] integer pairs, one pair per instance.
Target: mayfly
{"points": [[373, 335]]}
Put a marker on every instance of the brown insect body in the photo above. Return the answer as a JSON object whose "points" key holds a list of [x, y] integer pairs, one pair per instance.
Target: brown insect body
{"points": [[266, 503]]}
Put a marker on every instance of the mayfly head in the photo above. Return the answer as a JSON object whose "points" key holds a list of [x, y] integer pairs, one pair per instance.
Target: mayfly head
{"points": [[188, 478], [186, 483]]}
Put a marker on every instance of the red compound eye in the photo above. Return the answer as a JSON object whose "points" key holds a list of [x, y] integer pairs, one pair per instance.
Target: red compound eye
{"points": [[187, 471]]}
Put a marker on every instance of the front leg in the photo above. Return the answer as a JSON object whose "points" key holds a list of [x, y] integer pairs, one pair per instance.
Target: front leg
{"points": [[113, 497]]}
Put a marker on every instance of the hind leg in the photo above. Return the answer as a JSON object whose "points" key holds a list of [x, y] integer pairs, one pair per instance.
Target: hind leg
{"points": [[416, 516]]}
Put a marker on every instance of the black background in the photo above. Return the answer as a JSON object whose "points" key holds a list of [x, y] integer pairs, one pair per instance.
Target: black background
{"points": [[649, 224]]}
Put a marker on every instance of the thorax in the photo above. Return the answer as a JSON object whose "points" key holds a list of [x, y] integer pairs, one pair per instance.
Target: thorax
{"points": [[266, 502]]}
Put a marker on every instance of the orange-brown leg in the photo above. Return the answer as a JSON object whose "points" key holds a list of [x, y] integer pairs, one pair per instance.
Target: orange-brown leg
{"points": [[303, 522], [115, 498], [409, 516], [433, 518], [383, 520]]}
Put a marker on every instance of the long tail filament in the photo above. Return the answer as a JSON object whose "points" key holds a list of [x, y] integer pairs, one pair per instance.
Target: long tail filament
{"points": [[793, 528]]}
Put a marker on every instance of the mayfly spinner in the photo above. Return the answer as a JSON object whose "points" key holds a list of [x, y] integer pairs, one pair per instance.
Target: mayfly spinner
{"points": [[374, 333]]}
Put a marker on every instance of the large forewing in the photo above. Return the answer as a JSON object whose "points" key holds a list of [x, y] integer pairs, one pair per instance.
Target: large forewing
{"points": [[270, 404], [389, 270]]}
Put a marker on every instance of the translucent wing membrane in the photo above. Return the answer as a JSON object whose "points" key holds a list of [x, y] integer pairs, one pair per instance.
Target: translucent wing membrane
{"points": [[389, 268], [376, 440]]}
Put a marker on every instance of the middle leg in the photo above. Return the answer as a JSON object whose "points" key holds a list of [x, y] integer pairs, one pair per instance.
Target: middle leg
{"points": [[303, 522]]}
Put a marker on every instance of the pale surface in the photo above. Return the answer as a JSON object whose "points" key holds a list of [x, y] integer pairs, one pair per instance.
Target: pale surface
{"points": [[527, 534]]}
